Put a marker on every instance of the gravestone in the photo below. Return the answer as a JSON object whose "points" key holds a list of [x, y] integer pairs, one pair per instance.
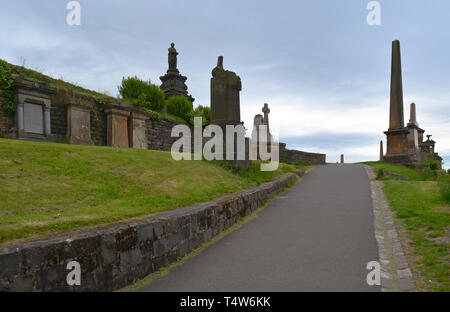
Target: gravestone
{"points": [[172, 82], [225, 101], [79, 122], [139, 130], [33, 100], [117, 127], [126, 126]]}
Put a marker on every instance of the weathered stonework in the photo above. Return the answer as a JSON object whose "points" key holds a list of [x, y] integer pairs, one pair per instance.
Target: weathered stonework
{"points": [[79, 124], [113, 256], [139, 131], [294, 156], [118, 127], [33, 100]]}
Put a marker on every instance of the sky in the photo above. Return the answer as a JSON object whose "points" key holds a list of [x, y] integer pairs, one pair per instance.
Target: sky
{"points": [[324, 72]]}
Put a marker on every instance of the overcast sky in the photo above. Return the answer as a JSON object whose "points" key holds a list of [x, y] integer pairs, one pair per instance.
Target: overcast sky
{"points": [[323, 70]]}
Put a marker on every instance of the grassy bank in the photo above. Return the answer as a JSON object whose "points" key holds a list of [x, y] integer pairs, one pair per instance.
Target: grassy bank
{"points": [[47, 188], [424, 214]]}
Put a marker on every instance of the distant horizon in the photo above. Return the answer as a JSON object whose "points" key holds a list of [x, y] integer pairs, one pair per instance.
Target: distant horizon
{"points": [[324, 72]]}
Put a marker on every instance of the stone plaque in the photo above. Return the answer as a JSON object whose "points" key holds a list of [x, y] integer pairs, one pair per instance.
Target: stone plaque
{"points": [[79, 125], [139, 131], [33, 115], [118, 128]]}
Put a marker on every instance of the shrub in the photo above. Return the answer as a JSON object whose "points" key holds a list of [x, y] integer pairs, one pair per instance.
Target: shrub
{"points": [[179, 106], [6, 81], [444, 187], [143, 93], [201, 111]]}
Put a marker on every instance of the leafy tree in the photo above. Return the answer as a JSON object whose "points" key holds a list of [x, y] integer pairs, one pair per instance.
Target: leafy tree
{"points": [[179, 106], [201, 111], [143, 93]]}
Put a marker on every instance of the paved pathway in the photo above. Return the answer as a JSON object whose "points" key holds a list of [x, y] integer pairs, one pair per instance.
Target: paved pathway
{"points": [[318, 236]]}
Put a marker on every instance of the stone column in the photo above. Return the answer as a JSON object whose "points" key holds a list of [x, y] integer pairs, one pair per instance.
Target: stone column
{"points": [[20, 125], [381, 151], [47, 121], [342, 158]]}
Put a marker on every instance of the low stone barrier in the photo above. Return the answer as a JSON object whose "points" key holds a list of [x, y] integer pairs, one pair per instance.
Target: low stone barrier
{"points": [[113, 256]]}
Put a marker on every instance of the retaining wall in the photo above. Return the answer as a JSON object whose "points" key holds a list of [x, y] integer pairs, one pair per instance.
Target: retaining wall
{"points": [[113, 256], [294, 156]]}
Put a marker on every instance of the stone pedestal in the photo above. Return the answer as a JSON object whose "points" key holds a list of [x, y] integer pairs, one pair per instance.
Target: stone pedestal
{"points": [[118, 127], [172, 82], [79, 124]]}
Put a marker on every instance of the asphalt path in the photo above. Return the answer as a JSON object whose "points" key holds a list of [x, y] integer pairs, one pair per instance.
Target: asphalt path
{"points": [[318, 236]]}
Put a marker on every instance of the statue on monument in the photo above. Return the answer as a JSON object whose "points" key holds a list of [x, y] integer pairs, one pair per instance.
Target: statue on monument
{"points": [[172, 58]]}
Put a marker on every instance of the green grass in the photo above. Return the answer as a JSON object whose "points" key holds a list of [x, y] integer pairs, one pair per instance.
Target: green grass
{"points": [[426, 216], [47, 188], [398, 169]]}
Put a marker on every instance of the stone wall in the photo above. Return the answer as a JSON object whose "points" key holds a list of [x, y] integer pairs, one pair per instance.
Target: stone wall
{"points": [[159, 134], [294, 156], [113, 256]]}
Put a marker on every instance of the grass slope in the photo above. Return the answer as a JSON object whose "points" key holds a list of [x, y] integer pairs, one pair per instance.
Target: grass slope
{"points": [[47, 188], [426, 217]]}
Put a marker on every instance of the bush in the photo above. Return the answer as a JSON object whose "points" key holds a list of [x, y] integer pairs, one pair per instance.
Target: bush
{"points": [[201, 111], [444, 187], [143, 93], [179, 106], [6, 81]]}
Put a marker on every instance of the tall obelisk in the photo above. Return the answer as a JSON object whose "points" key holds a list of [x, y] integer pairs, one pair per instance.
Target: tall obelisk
{"points": [[396, 104], [397, 135]]}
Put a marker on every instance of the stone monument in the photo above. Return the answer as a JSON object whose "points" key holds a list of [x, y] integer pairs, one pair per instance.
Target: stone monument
{"points": [[172, 82], [33, 100], [225, 102], [79, 121], [381, 151], [397, 134]]}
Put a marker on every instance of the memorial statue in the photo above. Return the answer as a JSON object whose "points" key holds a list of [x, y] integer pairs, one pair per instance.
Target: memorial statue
{"points": [[172, 58]]}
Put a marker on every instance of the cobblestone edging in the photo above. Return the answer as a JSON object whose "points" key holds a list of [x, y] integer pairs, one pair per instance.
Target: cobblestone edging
{"points": [[395, 272], [113, 256]]}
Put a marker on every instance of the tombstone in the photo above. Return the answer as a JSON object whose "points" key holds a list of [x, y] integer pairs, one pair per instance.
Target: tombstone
{"points": [[126, 126], [225, 106], [225, 102], [139, 130], [257, 121], [172, 82], [117, 127], [79, 122], [33, 100]]}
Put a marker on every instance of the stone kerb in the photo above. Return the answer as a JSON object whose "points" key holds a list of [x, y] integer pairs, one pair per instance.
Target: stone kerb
{"points": [[113, 256]]}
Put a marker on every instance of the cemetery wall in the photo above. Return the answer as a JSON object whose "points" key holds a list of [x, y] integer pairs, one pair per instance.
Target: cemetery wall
{"points": [[116, 255], [294, 156]]}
